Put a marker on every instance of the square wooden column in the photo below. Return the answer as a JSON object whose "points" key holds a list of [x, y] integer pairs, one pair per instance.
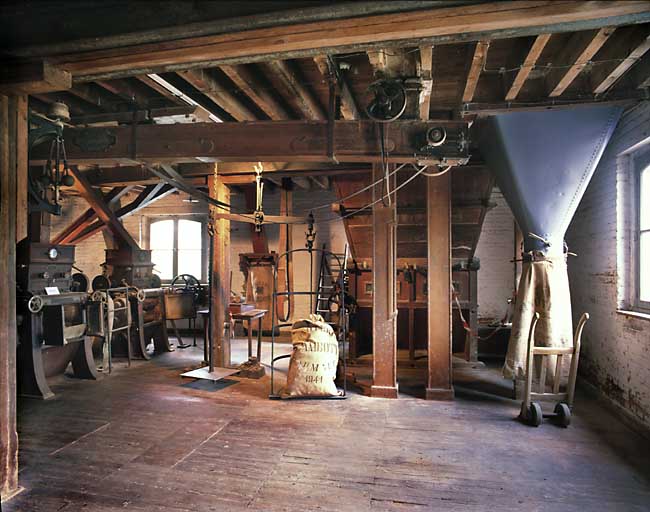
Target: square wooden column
{"points": [[439, 385], [384, 295], [220, 278], [13, 218]]}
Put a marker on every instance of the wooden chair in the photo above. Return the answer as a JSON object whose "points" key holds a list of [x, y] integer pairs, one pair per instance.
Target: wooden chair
{"points": [[531, 412]]}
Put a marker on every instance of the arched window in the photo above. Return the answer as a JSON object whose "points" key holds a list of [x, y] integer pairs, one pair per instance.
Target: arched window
{"points": [[177, 247]]}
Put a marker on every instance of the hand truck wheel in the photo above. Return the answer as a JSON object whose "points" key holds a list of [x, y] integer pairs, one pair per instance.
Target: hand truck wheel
{"points": [[535, 414], [563, 414]]}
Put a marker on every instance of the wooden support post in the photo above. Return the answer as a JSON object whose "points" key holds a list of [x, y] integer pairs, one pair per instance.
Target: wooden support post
{"points": [[13, 142], [220, 278], [384, 297], [439, 385]]}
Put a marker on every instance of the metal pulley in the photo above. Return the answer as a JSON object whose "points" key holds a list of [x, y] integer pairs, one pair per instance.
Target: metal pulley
{"points": [[389, 101], [35, 304]]}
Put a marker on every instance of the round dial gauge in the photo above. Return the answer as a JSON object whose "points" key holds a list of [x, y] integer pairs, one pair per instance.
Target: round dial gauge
{"points": [[52, 253]]}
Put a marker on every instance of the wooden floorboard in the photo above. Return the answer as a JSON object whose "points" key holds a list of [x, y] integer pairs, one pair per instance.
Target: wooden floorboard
{"points": [[143, 439]]}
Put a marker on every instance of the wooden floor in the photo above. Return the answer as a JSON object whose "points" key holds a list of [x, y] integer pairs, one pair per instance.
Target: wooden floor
{"points": [[144, 440]]}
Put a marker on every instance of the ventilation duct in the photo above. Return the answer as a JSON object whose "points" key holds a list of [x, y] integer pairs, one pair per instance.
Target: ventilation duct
{"points": [[543, 162]]}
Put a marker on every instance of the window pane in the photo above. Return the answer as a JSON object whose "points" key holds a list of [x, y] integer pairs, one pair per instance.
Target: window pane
{"points": [[644, 267], [189, 262], [163, 259], [161, 235], [161, 241], [189, 235], [644, 206]]}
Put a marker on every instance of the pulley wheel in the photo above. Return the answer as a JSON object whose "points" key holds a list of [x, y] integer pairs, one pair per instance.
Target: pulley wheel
{"points": [[35, 304], [101, 282], [79, 282]]}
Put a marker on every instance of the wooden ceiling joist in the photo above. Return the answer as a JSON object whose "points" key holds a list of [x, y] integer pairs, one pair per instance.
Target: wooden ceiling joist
{"points": [[287, 73], [328, 68], [425, 69], [135, 116], [131, 92], [478, 61], [582, 58], [33, 77], [529, 64], [152, 84], [602, 85], [204, 82], [437, 25], [257, 91]]}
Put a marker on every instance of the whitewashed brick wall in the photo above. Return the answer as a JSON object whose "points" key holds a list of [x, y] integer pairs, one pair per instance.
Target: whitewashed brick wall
{"points": [[495, 250], [616, 349]]}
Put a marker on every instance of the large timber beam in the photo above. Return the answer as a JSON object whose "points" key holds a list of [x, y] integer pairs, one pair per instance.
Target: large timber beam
{"points": [[288, 74], [258, 92], [266, 141], [147, 197], [204, 82], [491, 20], [105, 214], [384, 295], [529, 64], [33, 78], [439, 384], [578, 52], [425, 69]]}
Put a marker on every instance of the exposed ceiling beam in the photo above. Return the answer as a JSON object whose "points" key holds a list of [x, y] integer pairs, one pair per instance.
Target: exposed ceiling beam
{"points": [[136, 116], [258, 92], [287, 73], [578, 63], [203, 112], [425, 68], [204, 82], [602, 84], [302, 182], [160, 89], [274, 141], [529, 64], [329, 68], [131, 92], [478, 61], [147, 197], [437, 25], [33, 77], [322, 182]]}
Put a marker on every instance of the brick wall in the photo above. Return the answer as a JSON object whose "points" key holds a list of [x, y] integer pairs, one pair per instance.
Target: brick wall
{"points": [[495, 249], [616, 349]]}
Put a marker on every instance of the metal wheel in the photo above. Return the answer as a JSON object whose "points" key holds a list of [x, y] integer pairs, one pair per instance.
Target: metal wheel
{"points": [[186, 283], [563, 414], [535, 414]]}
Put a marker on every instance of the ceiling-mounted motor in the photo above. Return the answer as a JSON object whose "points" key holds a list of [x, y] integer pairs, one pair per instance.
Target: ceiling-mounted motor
{"points": [[389, 101]]}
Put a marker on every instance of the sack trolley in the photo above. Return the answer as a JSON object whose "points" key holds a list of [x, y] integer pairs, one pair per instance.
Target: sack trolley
{"points": [[531, 411]]}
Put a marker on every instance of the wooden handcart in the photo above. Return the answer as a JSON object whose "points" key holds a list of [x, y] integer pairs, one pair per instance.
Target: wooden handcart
{"points": [[531, 411]]}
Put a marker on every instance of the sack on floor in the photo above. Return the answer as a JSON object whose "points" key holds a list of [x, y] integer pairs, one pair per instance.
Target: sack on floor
{"points": [[315, 356]]}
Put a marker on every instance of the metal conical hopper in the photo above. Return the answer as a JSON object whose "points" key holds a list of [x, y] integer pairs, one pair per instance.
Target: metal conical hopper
{"points": [[543, 162]]}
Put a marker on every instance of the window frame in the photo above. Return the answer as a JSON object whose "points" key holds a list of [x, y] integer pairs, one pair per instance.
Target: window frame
{"points": [[641, 164], [203, 220]]}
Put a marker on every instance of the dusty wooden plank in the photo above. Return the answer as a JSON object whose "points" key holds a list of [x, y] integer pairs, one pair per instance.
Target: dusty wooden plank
{"points": [[448, 23], [204, 82], [288, 73], [529, 64], [22, 166], [474, 73], [259, 92], [630, 60], [33, 77], [426, 65], [582, 58]]}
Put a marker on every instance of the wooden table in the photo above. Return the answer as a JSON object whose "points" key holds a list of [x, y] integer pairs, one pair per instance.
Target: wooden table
{"points": [[253, 314]]}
